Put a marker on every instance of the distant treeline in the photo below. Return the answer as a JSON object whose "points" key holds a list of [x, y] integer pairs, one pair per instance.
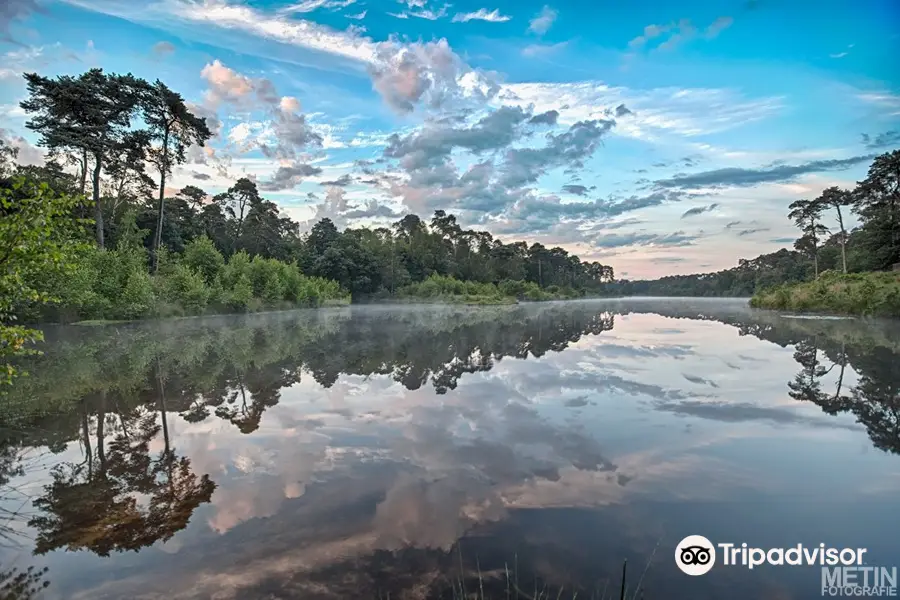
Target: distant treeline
{"points": [[872, 246]]}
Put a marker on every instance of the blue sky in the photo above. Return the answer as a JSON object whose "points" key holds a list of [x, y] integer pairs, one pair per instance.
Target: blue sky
{"points": [[657, 137]]}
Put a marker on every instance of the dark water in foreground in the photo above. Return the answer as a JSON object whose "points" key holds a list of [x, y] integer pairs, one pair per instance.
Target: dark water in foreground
{"points": [[411, 452]]}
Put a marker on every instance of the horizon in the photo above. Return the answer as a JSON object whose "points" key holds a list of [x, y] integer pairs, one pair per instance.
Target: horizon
{"points": [[660, 141]]}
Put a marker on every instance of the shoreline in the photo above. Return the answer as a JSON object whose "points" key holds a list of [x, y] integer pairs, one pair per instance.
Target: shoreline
{"points": [[872, 294]]}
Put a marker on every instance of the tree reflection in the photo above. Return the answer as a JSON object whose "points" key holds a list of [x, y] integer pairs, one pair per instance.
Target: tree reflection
{"points": [[874, 400], [102, 507], [19, 584], [872, 350], [238, 372]]}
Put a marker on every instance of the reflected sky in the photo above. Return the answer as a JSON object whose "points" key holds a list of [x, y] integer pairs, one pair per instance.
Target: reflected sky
{"points": [[362, 451]]}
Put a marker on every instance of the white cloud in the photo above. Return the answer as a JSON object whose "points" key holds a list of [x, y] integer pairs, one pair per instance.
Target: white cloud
{"points": [[27, 154], [12, 111], [542, 22], [686, 112], [243, 18], [358, 16], [718, 26], [536, 50], [405, 73], [482, 14], [310, 5], [423, 13], [676, 33], [429, 74], [882, 99], [239, 133], [289, 104]]}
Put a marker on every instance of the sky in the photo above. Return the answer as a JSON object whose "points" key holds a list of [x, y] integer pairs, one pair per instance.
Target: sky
{"points": [[657, 137]]}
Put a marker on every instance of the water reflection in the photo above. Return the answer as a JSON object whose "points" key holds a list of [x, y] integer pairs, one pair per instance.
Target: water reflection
{"points": [[359, 452]]}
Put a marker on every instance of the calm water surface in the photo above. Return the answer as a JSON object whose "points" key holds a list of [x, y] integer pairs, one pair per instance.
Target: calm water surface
{"points": [[409, 452]]}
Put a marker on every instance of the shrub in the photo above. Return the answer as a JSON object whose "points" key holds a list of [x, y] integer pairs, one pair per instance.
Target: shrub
{"points": [[116, 284], [203, 256], [138, 299], [186, 288], [856, 293], [238, 265], [240, 295]]}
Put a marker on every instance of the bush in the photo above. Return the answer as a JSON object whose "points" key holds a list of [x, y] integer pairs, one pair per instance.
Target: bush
{"points": [[186, 288], [238, 266], [240, 295], [203, 256], [453, 290], [138, 298], [116, 284], [876, 294]]}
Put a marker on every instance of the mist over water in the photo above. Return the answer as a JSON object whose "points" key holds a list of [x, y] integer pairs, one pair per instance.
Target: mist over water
{"points": [[418, 450]]}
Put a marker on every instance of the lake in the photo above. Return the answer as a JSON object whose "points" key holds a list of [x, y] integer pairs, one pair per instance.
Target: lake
{"points": [[449, 452]]}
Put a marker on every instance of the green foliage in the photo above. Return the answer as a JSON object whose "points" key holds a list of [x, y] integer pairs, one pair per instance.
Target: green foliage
{"points": [[203, 256], [35, 242], [138, 297], [184, 287], [449, 289], [238, 267], [115, 284], [870, 294], [240, 296]]}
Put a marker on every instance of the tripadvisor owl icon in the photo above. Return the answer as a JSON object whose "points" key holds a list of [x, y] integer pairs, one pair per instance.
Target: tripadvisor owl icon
{"points": [[695, 555]]}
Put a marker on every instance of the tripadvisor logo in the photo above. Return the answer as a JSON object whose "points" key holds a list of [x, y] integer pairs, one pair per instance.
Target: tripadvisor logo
{"points": [[843, 573], [695, 555]]}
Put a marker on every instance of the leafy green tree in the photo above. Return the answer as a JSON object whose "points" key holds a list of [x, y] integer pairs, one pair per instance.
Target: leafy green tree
{"points": [[322, 235], [213, 223], [194, 196], [36, 240], [203, 256], [237, 200], [877, 202], [837, 198], [89, 115], [807, 215], [127, 172], [266, 232], [172, 129]]}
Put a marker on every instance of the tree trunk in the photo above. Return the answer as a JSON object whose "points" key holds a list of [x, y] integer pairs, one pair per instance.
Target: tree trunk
{"points": [[161, 399], [840, 382], [86, 433], [843, 239], [83, 174], [164, 163], [98, 209], [101, 449]]}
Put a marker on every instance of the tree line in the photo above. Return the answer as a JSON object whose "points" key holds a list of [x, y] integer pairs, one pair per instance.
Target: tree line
{"points": [[94, 234], [119, 131], [874, 245]]}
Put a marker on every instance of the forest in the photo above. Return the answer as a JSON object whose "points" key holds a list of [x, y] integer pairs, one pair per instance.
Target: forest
{"points": [[96, 234]]}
